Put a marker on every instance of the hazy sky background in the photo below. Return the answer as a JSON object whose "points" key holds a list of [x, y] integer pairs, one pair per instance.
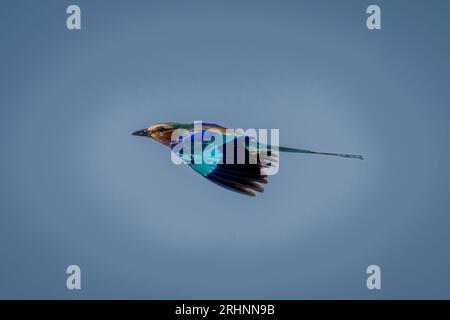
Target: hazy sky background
{"points": [[77, 188]]}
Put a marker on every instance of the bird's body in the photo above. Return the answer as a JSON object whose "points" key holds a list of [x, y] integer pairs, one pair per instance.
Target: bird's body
{"points": [[236, 161]]}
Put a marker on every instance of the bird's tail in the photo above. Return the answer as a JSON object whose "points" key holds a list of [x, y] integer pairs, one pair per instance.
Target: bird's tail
{"points": [[293, 150]]}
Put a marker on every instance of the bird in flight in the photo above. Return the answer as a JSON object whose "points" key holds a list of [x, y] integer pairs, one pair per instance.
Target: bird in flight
{"points": [[216, 157]]}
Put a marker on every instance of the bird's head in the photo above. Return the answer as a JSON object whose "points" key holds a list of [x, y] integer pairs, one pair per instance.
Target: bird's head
{"points": [[161, 132]]}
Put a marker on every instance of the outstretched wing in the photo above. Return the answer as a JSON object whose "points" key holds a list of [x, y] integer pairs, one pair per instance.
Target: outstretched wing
{"points": [[213, 164]]}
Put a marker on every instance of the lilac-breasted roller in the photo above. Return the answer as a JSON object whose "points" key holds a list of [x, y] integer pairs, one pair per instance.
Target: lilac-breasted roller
{"points": [[212, 159]]}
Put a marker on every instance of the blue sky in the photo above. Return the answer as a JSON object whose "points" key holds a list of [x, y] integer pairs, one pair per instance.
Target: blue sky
{"points": [[77, 188]]}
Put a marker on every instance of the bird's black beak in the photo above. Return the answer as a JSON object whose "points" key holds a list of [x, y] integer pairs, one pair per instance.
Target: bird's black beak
{"points": [[142, 133]]}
